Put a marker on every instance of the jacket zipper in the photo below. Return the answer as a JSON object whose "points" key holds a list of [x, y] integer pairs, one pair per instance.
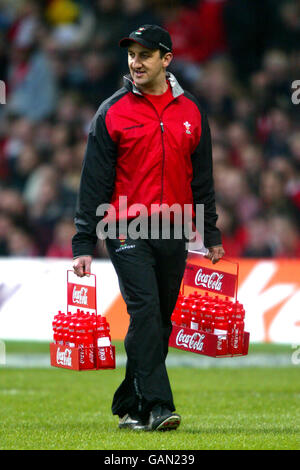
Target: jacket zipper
{"points": [[162, 130]]}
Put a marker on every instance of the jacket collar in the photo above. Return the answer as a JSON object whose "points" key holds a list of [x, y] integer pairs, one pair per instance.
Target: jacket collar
{"points": [[176, 88]]}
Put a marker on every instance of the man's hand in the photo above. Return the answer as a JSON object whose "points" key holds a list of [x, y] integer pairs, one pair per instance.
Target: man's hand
{"points": [[215, 253], [82, 265]]}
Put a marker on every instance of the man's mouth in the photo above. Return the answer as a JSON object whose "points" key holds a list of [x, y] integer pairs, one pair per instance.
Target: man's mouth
{"points": [[139, 73]]}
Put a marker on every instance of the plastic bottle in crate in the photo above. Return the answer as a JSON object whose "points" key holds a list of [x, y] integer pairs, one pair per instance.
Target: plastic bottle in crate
{"points": [[65, 329], [175, 317], [203, 310], [101, 326], [206, 313], [236, 342], [54, 326], [78, 329], [195, 312], [103, 336], [72, 333], [220, 327], [57, 328], [83, 339], [227, 302], [90, 334], [194, 296], [105, 358], [184, 313]]}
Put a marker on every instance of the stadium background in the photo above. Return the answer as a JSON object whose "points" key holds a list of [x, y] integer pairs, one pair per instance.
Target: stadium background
{"points": [[59, 59]]}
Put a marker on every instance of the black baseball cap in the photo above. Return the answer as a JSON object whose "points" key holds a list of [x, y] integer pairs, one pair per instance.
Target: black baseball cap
{"points": [[150, 36]]}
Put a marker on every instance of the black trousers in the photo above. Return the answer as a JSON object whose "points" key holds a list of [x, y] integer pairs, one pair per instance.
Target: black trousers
{"points": [[150, 274]]}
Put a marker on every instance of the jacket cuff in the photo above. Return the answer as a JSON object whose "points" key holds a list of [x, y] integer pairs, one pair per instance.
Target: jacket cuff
{"points": [[83, 245], [212, 240]]}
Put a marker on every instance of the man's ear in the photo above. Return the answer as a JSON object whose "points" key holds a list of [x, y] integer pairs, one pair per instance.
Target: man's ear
{"points": [[167, 58]]}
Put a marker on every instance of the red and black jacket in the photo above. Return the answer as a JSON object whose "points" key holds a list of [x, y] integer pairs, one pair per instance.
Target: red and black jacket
{"points": [[151, 159]]}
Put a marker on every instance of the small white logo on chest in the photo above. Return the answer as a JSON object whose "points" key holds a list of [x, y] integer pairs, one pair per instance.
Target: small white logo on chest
{"points": [[187, 126]]}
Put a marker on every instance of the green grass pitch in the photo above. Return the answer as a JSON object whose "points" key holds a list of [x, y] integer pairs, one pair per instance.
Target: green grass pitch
{"points": [[221, 408]]}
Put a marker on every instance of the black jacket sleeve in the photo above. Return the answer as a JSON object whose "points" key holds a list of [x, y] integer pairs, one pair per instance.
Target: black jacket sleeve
{"points": [[96, 185], [203, 185]]}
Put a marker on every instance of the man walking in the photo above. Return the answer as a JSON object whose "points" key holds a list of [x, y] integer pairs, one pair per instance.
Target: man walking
{"points": [[150, 143]]}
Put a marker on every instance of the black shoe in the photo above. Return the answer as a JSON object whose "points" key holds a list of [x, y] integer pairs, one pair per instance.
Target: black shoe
{"points": [[136, 424], [162, 419]]}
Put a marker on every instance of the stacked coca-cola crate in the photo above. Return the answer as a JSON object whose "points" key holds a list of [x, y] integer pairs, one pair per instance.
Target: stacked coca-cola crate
{"points": [[208, 319], [81, 337]]}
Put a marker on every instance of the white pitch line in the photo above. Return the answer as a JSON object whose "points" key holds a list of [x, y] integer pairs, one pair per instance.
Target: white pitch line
{"points": [[27, 361]]}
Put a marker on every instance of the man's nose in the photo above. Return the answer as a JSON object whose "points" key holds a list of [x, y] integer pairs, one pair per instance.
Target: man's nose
{"points": [[136, 62]]}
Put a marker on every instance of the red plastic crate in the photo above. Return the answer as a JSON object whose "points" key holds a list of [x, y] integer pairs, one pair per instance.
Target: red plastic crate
{"points": [[76, 358], [201, 275], [81, 293], [201, 342]]}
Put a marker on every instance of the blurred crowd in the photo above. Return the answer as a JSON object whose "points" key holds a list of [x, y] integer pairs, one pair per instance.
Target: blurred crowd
{"points": [[59, 59]]}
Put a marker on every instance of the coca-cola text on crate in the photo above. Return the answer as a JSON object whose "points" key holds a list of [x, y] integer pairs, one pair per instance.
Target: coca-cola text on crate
{"points": [[220, 323]]}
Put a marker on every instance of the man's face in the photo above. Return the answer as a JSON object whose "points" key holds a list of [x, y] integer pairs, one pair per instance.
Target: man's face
{"points": [[146, 66]]}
